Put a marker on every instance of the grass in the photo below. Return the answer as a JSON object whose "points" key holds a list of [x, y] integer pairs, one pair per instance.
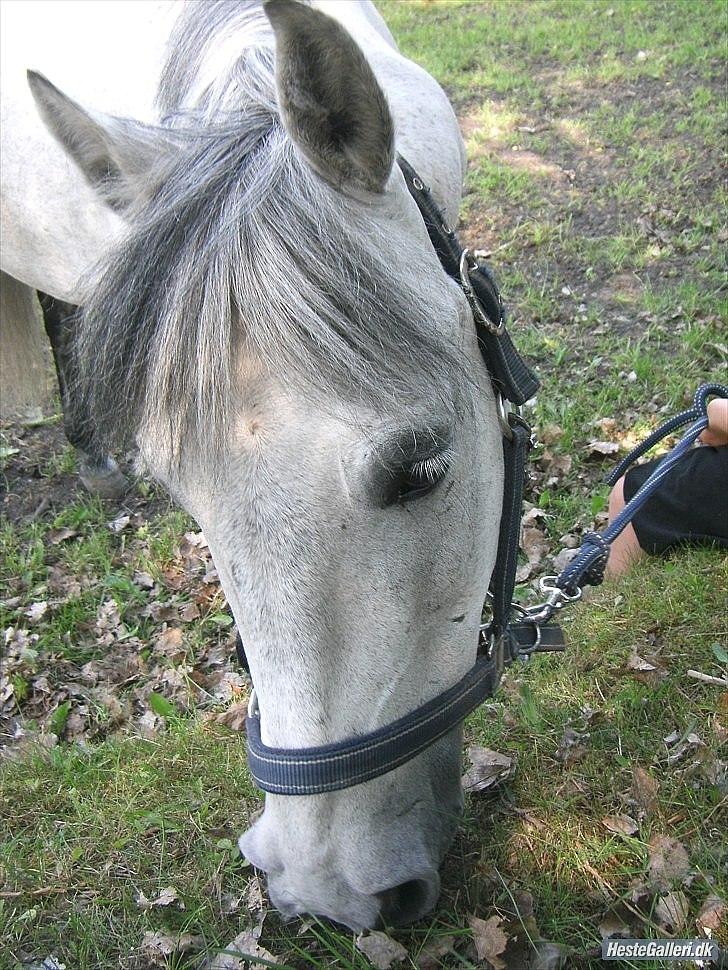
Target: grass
{"points": [[595, 178]]}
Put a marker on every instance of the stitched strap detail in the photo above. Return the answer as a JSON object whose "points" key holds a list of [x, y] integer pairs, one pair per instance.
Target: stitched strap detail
{"points": [[311, 771], [508, 370], [515, 453]]}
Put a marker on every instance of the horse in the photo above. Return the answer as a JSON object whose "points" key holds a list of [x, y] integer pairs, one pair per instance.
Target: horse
{"points": [[265, 321]]}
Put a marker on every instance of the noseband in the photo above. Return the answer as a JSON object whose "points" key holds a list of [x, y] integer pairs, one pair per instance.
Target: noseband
{"points": [[310, 771]]}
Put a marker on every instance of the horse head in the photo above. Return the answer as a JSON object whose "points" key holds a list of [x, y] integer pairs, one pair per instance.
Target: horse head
{"points": [[276, 335]]}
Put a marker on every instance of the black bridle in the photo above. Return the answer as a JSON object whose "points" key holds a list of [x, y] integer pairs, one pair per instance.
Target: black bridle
{"points": [[310, 771]]}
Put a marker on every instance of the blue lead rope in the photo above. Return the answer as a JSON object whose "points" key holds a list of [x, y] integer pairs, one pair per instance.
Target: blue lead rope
{"points": [[587, 567]]}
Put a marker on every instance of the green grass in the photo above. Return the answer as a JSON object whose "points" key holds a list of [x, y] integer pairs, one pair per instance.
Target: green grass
{"points": [[593, 169]]}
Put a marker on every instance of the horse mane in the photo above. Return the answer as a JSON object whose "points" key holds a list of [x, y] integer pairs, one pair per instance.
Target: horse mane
{"points": [[237, 247]]}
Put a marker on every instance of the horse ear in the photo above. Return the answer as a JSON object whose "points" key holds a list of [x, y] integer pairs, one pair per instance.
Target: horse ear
{"points": [[330, 101], [111, 152]]}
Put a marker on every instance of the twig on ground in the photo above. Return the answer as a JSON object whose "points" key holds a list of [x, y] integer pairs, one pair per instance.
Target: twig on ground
{"points": [[708, 678], [45, 891]]}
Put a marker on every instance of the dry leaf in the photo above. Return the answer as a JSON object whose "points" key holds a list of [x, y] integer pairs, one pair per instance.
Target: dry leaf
{"points": [[119, 523], [636, 662], [687, 746], [487, 769], [189, 612], [620, 824], [158, 946], [668, 862], [143, 580], [712, 914], [548, 956], [571, 747], [233, 718], [36, 611], [149, 724], [54, 536], [646, 670], [381, 950], [241, 949], [169, 643], [612, 924], [533, 543], [490, 940], [603, 448], [644, 789], [165, 898], [430, 957], [254, 904], [550, 433], [671, 911]]}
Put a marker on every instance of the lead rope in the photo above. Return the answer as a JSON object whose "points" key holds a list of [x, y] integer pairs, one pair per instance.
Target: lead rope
{"points": [[587, 567]]}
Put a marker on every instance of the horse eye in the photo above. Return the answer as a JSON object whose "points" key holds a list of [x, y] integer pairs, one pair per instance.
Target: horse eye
{"points": [[420, 478]]}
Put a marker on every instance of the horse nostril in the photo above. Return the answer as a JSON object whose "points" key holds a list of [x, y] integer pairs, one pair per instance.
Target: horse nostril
{"points": [[407, 902]]}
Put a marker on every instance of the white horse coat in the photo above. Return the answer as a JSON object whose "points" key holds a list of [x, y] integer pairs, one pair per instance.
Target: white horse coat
{"points": [[334, 435]]}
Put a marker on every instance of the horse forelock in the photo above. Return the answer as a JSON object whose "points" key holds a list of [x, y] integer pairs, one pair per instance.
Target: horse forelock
{"points": [[239, 248]]}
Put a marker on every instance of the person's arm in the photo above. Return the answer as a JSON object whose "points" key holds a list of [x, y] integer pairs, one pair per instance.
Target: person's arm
{"points": [[716, 433]]}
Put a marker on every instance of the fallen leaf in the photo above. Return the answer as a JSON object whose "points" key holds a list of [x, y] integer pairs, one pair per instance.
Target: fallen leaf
{"points": [[671, 911], [668, 862], [430, 956], [36, 611], [254, 904], [646, 670], [602, 447], [563, 558], [233, 718], [571, 747], [488, 769], [108, 622], [550, 433], [687, 746], [238, 954], [636, 662], [381, 950], [712, 914], [230, 903], [620, 824], [490, 940], [189, 612], [644, 789], [165, 898], [533, 543], [55, 536], [149, 724], [170, 643], [548, 956], [158, 946], [612, 924], [119, 523], [143, 580]]}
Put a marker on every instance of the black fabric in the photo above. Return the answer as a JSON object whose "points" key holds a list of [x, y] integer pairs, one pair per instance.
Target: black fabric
{"points": [[691, 506], [515, 454]]}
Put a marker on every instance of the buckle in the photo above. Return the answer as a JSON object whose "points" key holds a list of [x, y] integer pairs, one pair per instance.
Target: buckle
{"points": [[467, 264]]}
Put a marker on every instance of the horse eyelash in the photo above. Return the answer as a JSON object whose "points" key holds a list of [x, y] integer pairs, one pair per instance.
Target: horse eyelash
{"points": [[434, 467]]}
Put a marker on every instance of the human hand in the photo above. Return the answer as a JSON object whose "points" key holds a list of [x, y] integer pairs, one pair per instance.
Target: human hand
{"points": [[716, 433]]}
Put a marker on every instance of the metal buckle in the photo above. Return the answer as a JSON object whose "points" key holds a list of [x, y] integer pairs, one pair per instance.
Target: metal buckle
{"points": [[503, 409], [468, 263]]}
